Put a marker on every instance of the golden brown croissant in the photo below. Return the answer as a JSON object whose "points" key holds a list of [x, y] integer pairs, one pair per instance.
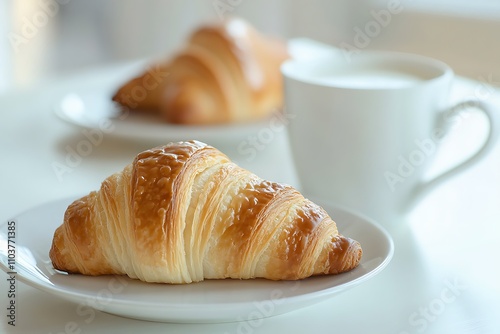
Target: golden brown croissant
{"points": [[225, 73], [184, 212]]}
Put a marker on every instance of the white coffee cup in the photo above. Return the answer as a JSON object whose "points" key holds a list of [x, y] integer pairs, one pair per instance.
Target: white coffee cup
{"points": [[363, 129]]}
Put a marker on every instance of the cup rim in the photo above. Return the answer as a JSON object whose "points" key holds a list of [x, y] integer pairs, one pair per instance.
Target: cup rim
{"points": [[290, 68]]}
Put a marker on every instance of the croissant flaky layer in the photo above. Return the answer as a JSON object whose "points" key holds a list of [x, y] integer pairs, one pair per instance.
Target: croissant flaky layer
{"points": [[184, 212], [226, 72]]}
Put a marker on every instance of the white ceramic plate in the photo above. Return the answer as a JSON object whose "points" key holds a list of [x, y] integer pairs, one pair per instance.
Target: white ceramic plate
{"points": [[94, 109], [208, 301]]}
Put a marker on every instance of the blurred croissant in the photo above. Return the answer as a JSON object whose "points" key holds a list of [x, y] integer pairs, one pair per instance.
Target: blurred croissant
{"points": [[183, 213], [225, 73]]}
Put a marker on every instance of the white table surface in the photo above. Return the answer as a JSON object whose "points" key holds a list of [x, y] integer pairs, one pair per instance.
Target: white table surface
{"points": [[443, 277]]}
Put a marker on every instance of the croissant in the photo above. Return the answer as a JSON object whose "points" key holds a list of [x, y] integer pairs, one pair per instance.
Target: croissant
{"points": [[184, 212], [226, 72]]}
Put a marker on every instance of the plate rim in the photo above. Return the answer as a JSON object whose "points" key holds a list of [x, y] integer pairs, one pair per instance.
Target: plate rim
{"points": [[145, 127]]}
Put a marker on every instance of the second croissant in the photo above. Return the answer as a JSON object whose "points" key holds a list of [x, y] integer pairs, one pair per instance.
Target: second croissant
{"points": [[226, 73]]}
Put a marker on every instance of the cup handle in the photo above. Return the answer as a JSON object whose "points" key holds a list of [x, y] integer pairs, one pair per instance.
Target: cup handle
{"points": [[494, 131]]}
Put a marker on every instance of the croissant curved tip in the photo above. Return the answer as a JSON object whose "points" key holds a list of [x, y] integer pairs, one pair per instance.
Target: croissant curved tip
{"points": [[355, 253], [56, 250]]}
